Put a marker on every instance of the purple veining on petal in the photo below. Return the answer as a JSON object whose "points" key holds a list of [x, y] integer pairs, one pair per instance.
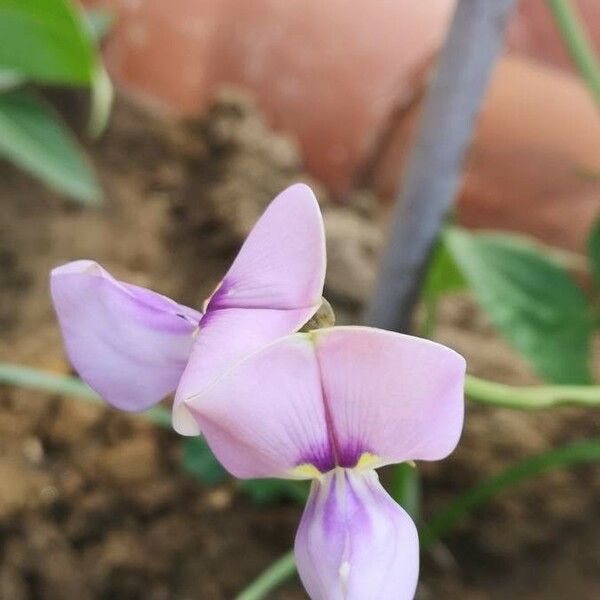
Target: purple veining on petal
{"points": [[159, 302], [128, 343], [354, 542], [222, 291], [320, 456], [335, 451], [350, 452], [324, 459]]}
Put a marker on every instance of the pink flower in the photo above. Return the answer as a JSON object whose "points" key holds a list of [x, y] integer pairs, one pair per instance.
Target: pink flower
{"points": [[134, 346], [332, 405]]}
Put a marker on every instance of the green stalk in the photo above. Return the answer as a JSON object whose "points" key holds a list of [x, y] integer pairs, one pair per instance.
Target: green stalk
{"points": [[578, 452], [54, 383], [280, 571], [531, 397], [580, 48], [405, 489]]}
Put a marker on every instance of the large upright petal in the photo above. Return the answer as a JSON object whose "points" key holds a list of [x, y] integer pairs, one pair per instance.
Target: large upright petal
{"points": [[272, 288], [395, 396], [343, 396], [282, 262], [354, 542], [128, 343]]}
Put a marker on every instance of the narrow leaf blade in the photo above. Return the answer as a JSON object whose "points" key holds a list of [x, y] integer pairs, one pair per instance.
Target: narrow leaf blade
{"points": [[531, 299], [46, 41], [32, 137]]}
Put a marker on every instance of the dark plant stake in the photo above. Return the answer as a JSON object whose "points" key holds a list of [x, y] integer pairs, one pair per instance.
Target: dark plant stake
{"points": [[436, 160]]}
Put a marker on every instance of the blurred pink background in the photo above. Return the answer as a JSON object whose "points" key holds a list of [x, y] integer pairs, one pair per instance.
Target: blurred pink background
{"points": [[346, 78]]}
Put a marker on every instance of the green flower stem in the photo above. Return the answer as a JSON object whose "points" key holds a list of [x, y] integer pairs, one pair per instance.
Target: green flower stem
{"points": [[28, 377], [281, 570], [578, 452], [577, 41], [531, 397], [405, 489]]}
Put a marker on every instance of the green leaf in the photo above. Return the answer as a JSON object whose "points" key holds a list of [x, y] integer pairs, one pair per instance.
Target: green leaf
{"points": [[10, 80], [47, 41], [32, 137], [271, 491], [199, 461], [594, 252], [443, 274], [530, 298]]}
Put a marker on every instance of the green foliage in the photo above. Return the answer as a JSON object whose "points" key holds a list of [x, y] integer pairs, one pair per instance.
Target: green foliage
{"points": [[50, 42], [405, 489], [32, 137], [46, 41], [199, 461], [594, 252], [530, 298], [443, 275], [272, 491]]}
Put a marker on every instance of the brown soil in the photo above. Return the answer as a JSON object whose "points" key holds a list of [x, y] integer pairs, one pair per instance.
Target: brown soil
{"points": [[93, 504]]}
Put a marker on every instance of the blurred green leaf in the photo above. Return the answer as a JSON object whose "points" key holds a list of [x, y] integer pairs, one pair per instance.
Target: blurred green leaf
{"points": [[594, 252], [443, 275], [47, 41], [198, 460], [9, 80], [530, 298], [32, 137], [271, 491]]}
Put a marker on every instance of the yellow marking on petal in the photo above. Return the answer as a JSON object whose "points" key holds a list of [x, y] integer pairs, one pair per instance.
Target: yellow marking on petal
{"points": [[368, 461], [306, 471]]}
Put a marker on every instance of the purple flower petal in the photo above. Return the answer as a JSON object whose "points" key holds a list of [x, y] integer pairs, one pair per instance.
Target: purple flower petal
{"points": [[395, 396], [126, 342], [342, 396], [282, 262], [261, 415], [272, 288], [354, 542]]}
